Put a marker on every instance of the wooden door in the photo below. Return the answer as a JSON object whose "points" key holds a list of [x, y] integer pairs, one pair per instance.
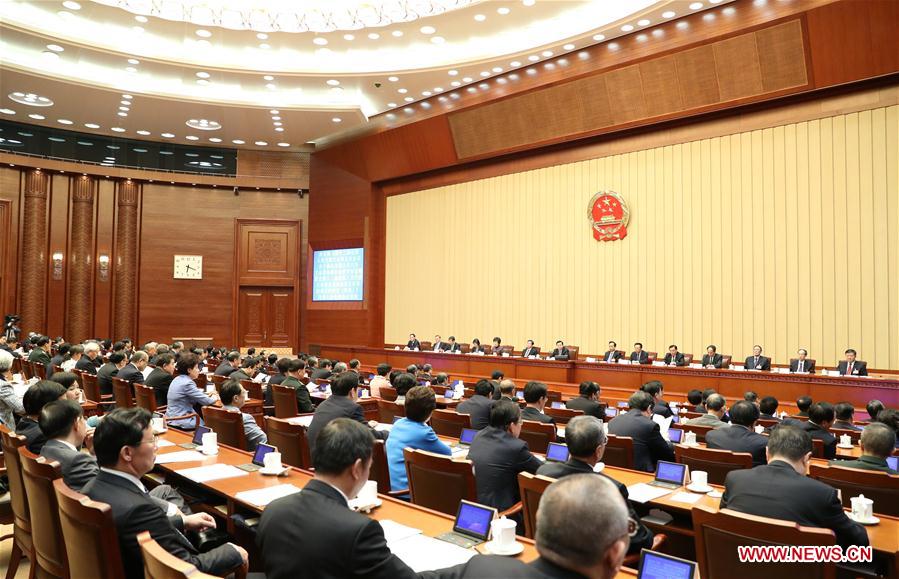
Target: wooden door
{"points": [[267, 317]]}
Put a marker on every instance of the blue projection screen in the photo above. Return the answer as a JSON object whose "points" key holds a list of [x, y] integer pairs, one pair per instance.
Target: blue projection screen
{"points": [[337, 275]]}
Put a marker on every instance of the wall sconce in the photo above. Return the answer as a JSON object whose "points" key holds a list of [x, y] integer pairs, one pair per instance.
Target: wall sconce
{"points": [[57, 265], [104, 267]]}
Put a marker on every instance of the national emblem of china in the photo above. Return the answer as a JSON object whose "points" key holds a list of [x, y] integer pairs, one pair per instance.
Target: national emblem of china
{"points": [[608, 213]]}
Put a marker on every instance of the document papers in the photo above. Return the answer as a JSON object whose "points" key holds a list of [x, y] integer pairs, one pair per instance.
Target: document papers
{"points": [[262, 497], [202, 474], [643, 493], [664, 424], [183, 456], [301, 420], [685, 497], [420, 552]]}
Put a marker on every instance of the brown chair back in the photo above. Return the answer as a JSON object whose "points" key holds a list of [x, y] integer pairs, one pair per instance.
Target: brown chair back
{"points": [[89, 532], [562, 415], [651, 356], [218, 380], [768, 423], [715, 462], [538, 435], [876, 485], [817, 448], [227, 424], [553, 396], [49, 546], [719, 533], [619, 451], [290, 440], [388, 410], [285, 399], [688, 358], [726, 360], [438, 482], [698, 429], [690, 414], [531, 487], [387, 393], [146, 397], [254, 389], [39, 370], [121, 391], [449, 422], [380, 472], [27, 372], [160, 564], [91, 387], [11, 443]]}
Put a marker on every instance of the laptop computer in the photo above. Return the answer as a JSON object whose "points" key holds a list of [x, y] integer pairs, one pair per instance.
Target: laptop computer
{"points": [[655, 565], [675, 419], [258, 458], [197, 440], [472, 525], [611, 412], [519, 394], [556, 404], [670, 475], [675, 435], [622, 405], [893, 462], [461, 448], [557, 452]]}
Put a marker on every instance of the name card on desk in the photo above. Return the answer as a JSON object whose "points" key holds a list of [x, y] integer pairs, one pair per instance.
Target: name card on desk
{"points": [[695, 365], [591, 359], [505, 354], [625, 362], [658, 363]]}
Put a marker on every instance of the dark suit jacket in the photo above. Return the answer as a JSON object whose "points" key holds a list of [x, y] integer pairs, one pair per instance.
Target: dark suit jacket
{"points": [[612, 356], [769, 417], [313, 534], [439, 346], [131, 374], [498, 457], [413, 344], [858, 368], [649, 446], [843, 425], [332, 408], [830, 441], [717, 360], [489, 566], [225, 369], [134, 512], [562, 354], [34, 436], [535, 415], [662, 409], [85, 364], [764, 363], [678, 359], [777, 491], [159, 380], [478, 407], [528, 352], [239, 375], [642, 357], [78, 468], [590, 407], [57, 360], [643, 538], [456, 347], [304, 401], [38, 355], [105, 375], [807, 366], [736, 438], [866, 462]]}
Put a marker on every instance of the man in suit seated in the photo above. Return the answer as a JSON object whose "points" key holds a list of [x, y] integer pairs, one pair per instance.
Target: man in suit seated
{"points": [[507, 391], [757, 361], [424, 374], [655, 389], [530, 350], [535, 394], [133, 372], [716, 406], [587, 400], [852, 367], [674, 358], [413, 343], [637, 423], [499, 455], [478, 406], [768, 408], [496, 377], [820, 420], [802, 365], [612, 355], [586, 442], [780, 489], [750, 396], [803, 403], [873, 407], [694, 398], [126, 450], [323, 372], [35, 398], [63, 424], [233, 397], [340, 404], [230, 365], [413, 431], [313, 533], [296, 369], [109, 370], [639, 355], [560, 352], [439, 345], [843, 412], [452, 347], [877, 443], [712, 358], [62, 352], [41, 353], [161, 377], [740, 436]]}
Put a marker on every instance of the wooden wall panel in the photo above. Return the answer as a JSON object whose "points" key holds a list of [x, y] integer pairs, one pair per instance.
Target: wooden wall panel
{"points": [[11, 182], [737, 67], [55, 302], [34, 258], [79, 303], [126, 260], [281, 165]]}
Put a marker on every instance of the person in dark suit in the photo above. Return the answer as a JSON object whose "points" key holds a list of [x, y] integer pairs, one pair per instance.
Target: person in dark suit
{"points": [[496, 377], [478, 406], [740, 436], [530, 350], [694, 400], [313, 533], [843, 412], [757, 361], [873, 408], [560, 352], [35, 398], [804, 404], [413, 343], [712, 358], [452, 347], [439, 345], [852, 367], [639, 355], [133, 372], [801, 364], [612, 355], [340, 404], [108, 371], [877, 443], [499, 455], [475, 347], [497, 348], [126, 450], [62, 351], [820, 420], [673, 357], [637, 423], [62, 422], [229, 365], [780, 489], [41, 353], [87, 363], [507, 391], [281, 365], [587, 400], [296, 369], [586, 442], [535, 394], [768, 408], [323, 372], [659, 406]]}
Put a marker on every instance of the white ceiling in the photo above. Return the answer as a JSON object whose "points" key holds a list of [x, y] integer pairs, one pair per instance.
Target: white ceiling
{"points": [[85, 55]]}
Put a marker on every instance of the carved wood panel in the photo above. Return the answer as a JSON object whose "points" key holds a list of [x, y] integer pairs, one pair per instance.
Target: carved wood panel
{"points": [[267, 317], [267, 253], [79, 298], [252, 317], [282, 319], [127, 238], [33, 277]]}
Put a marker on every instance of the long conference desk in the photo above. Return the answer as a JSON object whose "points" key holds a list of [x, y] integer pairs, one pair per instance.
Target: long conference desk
{"points": [[628, 378]]}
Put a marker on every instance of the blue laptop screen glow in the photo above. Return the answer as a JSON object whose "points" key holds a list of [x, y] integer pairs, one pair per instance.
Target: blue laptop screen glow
{"points": [[675, 435], [474, 519], [670, 472], [656, 566], [198, 434], [893, 462], [261, 451], [467, 435], [611, 412], [558, 405], [519, 393], [556, 451]]}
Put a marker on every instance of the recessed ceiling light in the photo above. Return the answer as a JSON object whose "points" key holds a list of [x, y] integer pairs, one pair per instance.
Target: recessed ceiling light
{"points": [[271, 86], [238, 141], [143, 132], [7, 111], [127, 97], [453, 72], [599, 37], [332, 82], [408, 99], [531, 71], [64, 122], [214, 140], [374, 35], [126, 109], [497, 69], [318, 40], [72, 5], [568, 47], [203, 124], [547, 53], [427, 30], [438, 39], [504, 10], [55, 47], [65, 15], [50, 55], [262, 36], [167, 135], [202, 81], [192, 138], [485, 73], [92, 125], [273, 112], [268, 77], [117, 130], [627, 28], [122, 114], [142, 19], [133, 61], [397, 33], [203, 33], [668, 14], [695, 5], [643, 22], [402, 90], [528, 2], [137, 30], [426, 93], [130, 69], [393, 78], [126, 103], [202, 74], [37, 117], [349, 37], [466, 79], [261, 143], [438, 89], [283, 144], [277, 123], [455, 83], [276, 118], [264, 46], [391, 105], [279, 129], [30, 99], [336, 120], [480, 17], [533, 58]]}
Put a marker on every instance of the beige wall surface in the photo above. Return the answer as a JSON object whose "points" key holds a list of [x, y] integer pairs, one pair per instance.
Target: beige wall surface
{"points": [[785, 236]]}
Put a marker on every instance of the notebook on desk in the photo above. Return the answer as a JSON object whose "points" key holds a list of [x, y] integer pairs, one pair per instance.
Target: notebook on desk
{"points": [[197, 440], [472, 525], [670, 475], [655, 565]]}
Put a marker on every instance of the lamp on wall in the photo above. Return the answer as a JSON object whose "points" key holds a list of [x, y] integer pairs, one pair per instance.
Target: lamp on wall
{"points": [[57, 265], [103, 261]]}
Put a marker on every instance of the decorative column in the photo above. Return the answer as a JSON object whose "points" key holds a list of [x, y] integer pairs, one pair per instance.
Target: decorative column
{"points": [[124, 309], [33, 260], [79, 299]]}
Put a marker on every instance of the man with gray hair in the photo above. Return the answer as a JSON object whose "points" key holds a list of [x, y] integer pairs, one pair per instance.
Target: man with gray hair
{"points": [[340, 368], [586, 444], [877, 443], [133, 372], [86, 363], [10, 402], [716, 407]]}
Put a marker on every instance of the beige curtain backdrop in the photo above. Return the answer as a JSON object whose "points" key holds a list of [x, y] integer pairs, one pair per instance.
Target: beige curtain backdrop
{"points": [[787, 237]]}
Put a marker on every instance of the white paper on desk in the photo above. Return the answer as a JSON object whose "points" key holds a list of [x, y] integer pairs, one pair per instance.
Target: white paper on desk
{"points": [[262, 497], [182, 456], [384, 427], [685, 497], [664, 424], [146, 371], [643, 492], [164, 443], [395, 532], [423, 553], [202, 474], [301, 420]]}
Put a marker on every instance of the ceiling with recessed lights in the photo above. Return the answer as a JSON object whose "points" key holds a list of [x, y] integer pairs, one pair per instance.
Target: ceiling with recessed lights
{"points": [[278, 75]]}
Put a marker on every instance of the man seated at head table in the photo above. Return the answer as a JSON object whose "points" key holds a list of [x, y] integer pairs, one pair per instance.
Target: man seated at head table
{"points": [[712, 358], [535, 395], [413, 431], [595, 549], [586, 442], [674, 358], [439, 345], [877, 443], [126, 450], [802, 365], [740, 436], [560, 352], [587, 400], [716, 406], [852, 367], [637, 423], [413, 343], [639, 355], [611, 355], [820, 420], [452, 346], [340, 404], [781, 490], [757, 361], [478, 406], [843, 412], [530, 350]]}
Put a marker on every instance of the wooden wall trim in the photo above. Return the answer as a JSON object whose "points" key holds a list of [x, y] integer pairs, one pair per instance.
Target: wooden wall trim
{"points": [[81, 261], [126, 260], [34, 258]]}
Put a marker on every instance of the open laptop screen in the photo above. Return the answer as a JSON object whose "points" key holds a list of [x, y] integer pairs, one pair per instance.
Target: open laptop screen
{"points": [[467, 435], [556, 404], [893, 462], [671, 472], [261, 451], [675, 435], [474, 519], [557, 452], [658, 566], [198, 434]]}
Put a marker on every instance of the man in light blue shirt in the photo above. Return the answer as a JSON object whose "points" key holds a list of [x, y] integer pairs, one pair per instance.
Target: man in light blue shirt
{"points": [[234, 396], [413, 432]]}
